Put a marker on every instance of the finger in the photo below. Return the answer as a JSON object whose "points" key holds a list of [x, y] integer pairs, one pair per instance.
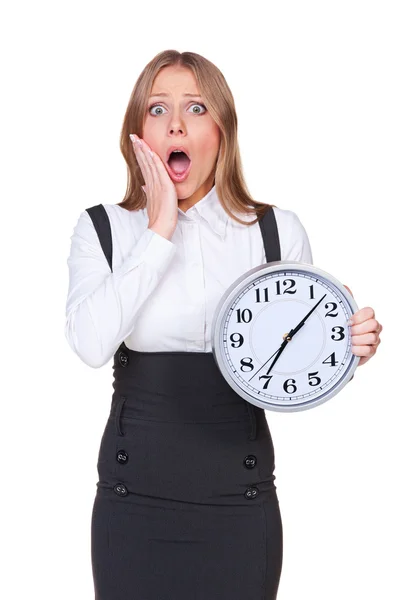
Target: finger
{"points": [[149, 153], [368, 351], [162, 172], [365, 327], [372, 339], [350, 291], [363, 360], [142, 160], [363, 315]]}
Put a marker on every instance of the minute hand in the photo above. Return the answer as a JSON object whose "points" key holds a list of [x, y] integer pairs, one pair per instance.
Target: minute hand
{"points": [[294, 331], [291, 334]]}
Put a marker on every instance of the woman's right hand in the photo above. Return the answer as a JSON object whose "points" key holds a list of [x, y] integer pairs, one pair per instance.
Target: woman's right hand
{"points": [[162, 202]]}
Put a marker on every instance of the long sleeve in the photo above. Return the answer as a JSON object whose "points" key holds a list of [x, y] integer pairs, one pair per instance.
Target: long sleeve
{"points": [[102, 306]]}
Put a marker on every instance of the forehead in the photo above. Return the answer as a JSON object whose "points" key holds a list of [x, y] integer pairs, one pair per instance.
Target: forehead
{"points": [[175, 80]]}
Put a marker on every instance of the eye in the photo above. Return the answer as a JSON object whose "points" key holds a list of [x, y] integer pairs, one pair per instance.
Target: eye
{"points": [[153, 106], [160, 106], [198, 104]]}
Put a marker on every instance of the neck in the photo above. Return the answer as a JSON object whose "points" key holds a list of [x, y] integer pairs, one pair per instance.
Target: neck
{"points": [[201, 192]]}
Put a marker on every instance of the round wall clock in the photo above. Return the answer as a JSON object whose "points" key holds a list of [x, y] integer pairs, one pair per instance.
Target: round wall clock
{"points": [[280, 336]]}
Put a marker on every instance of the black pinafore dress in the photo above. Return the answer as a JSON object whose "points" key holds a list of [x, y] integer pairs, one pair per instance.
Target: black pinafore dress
{"points": [[186, 507]]}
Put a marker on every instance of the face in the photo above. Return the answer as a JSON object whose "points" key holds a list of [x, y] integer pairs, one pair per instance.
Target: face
{"points": [[173, 119]]}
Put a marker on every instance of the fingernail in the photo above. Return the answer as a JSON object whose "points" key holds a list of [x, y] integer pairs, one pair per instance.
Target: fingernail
{"points": [[349, 322], [135, 139]]}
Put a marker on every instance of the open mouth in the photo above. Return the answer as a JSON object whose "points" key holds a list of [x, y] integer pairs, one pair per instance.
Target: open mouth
{"points": [[179, 162], [179, 165]]}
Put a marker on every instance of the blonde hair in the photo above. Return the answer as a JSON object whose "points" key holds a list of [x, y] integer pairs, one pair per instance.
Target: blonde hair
{"points": [[230, 185]]}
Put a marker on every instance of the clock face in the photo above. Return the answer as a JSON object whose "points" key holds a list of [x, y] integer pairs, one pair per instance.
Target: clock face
{"points": [[280, 336]]}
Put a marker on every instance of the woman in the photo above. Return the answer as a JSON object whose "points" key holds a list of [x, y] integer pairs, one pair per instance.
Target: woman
{"points": [[186, 505]]}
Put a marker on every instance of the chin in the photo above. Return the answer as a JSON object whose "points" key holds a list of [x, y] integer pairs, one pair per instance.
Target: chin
{"points": [[184, 189]]}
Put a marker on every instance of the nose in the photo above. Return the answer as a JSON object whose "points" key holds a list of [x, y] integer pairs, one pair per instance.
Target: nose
{"points": [[173, 130], [176, 123], [176, 127]]}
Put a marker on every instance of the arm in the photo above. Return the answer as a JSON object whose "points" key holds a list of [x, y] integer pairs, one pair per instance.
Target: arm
{"points": [[102, 307]]}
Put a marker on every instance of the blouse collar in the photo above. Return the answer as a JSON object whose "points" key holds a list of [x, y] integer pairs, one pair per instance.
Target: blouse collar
{"points": [[210, 209]]}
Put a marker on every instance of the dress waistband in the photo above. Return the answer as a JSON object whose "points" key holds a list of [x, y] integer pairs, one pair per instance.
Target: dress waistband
{"points": [[176, 387]]}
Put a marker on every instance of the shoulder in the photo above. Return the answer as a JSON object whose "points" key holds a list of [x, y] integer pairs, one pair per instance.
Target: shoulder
{"points": [[294, 239], [122, 221], [126, 228], [288, 222], [121, 218], [286, 219]]}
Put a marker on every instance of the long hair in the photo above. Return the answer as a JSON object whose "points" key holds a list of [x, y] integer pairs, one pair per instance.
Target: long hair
{"points": [[229, 182]]}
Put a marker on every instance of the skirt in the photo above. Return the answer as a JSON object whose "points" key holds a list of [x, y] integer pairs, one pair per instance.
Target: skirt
{"points": [[186, 506]]}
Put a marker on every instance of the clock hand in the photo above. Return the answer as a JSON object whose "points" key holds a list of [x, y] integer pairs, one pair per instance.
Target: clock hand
{"points": [[283, 345], [293, 331], [265, 363], [301, 323], [288, 337]]}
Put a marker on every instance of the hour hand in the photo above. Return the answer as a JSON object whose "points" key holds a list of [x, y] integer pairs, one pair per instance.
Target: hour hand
{"points": [[279, 351], [283, 345]]}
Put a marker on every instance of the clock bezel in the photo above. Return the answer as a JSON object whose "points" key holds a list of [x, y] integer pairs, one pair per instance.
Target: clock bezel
{"points": [[231, 294]]}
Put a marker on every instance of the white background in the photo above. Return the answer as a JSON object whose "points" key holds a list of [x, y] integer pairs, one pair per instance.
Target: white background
{"points": [[316, 92]]}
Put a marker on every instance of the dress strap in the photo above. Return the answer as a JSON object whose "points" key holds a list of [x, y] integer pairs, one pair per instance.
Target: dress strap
{"points": [[267, 224], [271, 240], [100, 219], [268, 227]]}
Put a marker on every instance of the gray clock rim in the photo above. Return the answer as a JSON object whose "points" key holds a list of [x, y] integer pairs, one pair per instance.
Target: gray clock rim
{"points": [[217, 332]]}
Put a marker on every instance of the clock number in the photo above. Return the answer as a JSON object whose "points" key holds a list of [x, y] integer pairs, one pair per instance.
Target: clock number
{"points": [[238, 342], [313, 376], [266, 294], [334, 307], [311, 292], [340, 333], [288, 290], [287, 384], [333, 362], [268, 377], [241, 315], [246, 364]]}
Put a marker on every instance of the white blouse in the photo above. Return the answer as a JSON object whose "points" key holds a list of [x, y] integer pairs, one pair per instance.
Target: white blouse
{"points": [[162, 294]]}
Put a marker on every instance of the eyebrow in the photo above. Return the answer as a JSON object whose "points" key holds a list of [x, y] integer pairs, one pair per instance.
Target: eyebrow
{"points": [[163, 94]]}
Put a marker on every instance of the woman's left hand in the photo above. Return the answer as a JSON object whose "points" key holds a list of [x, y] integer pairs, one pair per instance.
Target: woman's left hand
{"points": [[365, 333]]}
